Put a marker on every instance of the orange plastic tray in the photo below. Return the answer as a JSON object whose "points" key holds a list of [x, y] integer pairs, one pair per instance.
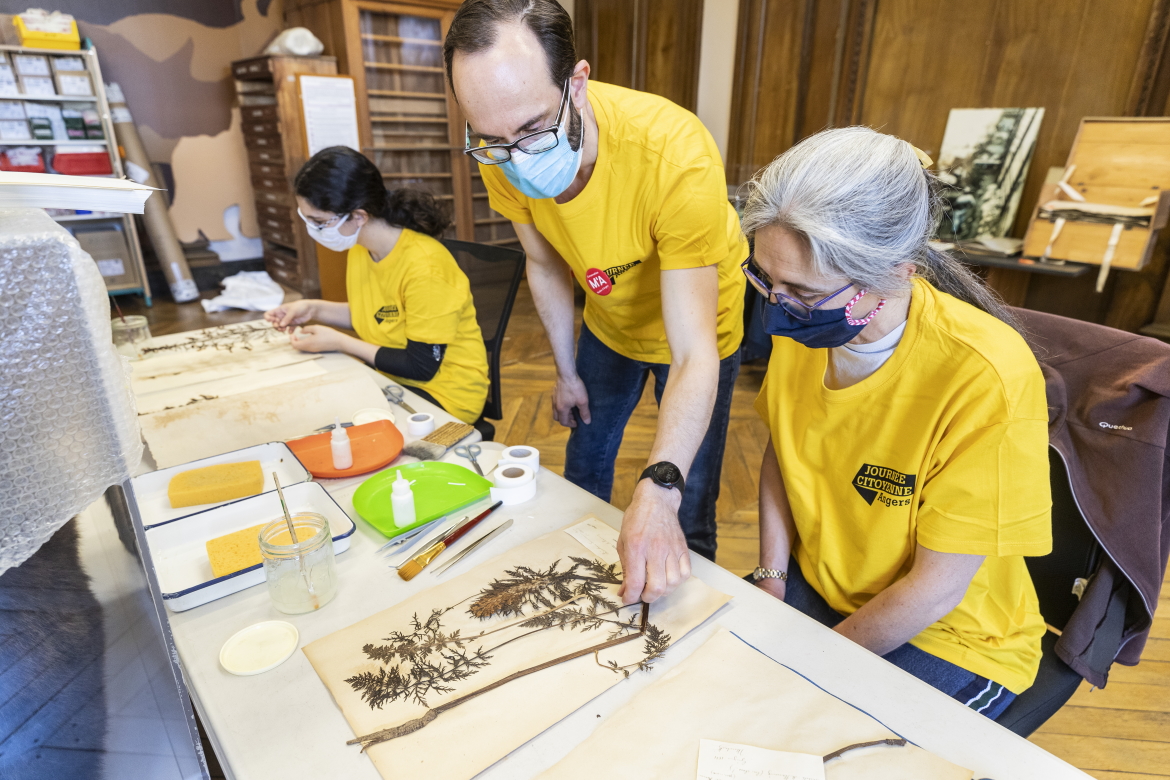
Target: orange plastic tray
{"points": [[374, 445]]}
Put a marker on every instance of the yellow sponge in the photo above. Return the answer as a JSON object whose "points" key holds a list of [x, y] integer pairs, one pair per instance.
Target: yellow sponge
{"points": [[237, 550], [221, 482], [240, 549]]}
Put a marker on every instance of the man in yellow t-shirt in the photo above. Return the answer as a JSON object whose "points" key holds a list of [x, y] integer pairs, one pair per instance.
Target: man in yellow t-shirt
{"points": [[625, 192]]}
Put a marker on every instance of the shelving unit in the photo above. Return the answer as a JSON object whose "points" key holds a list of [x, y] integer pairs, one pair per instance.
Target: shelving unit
{"points": [[132, 279], [275, 138], [410, 124]]}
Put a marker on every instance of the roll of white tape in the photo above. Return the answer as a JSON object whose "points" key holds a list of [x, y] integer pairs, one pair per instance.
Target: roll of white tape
{"points": [[515, 483], [529, 456], [512, 475], [421, 424]]}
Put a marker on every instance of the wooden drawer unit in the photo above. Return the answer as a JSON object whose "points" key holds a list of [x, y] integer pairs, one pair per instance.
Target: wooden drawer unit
{"points": [[266, 170], [283, 266], [274, 137], [251, 114], [262, 129], [276, 197], [264, 142], [275, 211], [274, 184], [266, 155]]}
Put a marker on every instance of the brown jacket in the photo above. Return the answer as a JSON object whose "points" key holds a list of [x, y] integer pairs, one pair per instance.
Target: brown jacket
{"points": [[1109, 419]]}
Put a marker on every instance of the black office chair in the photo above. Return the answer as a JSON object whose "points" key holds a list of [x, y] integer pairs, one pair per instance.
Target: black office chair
{"points": [[1075, 557], [495, 273]]}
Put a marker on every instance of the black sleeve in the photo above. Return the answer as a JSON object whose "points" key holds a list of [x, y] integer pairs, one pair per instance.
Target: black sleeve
{"points": [[418, 361]]}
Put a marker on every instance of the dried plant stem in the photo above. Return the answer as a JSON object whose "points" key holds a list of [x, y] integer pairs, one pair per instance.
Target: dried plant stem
{"points": [[414, 725], [859, 745]]}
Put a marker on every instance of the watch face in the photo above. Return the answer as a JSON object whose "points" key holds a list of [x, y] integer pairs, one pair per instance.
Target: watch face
{"points": [[667, 472]]}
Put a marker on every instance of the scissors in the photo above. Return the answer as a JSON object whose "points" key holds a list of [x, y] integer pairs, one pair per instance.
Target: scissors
{"points": [[470, 453], [395, 394]]}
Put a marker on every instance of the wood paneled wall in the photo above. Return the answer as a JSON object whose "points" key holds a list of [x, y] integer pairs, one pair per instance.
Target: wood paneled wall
{"points": [[649, 45], [901, 65]]}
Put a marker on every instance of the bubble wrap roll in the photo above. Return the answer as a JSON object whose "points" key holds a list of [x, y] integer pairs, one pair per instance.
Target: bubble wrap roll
{"points": [[68, 425]]}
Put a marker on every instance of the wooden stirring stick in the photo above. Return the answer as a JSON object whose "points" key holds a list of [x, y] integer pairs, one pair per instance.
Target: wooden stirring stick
{"points": [[292, 532]]}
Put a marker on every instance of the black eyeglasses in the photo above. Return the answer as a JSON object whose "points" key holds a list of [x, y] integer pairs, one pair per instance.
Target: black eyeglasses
{"points": [[798, 309], [533, 143]]}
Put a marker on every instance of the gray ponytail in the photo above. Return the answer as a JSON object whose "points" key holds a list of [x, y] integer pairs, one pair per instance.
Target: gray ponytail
{"points": [[866, 207]]}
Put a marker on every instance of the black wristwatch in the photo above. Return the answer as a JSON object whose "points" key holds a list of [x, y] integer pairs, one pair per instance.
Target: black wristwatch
{"points": [[665, 474]]}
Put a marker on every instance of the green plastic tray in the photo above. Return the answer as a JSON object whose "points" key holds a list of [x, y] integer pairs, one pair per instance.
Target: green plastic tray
{"points": [[434, 495]]}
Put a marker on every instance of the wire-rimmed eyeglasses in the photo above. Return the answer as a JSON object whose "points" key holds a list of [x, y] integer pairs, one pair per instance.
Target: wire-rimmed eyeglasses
{"points": [[798, 309], [533, 143]]}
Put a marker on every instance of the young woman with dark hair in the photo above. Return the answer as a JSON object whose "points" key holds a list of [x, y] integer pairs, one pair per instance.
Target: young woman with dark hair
{"points": [[409, 302]]}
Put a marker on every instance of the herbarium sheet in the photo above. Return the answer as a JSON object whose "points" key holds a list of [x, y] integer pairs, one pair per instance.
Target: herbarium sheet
{"points": [[537, 603], [731, 692]]}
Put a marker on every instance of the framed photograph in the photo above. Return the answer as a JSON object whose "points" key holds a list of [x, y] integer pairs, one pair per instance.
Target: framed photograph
{"points": [[984, 162]]}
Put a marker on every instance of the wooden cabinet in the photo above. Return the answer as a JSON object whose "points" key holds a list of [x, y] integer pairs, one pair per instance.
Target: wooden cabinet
{"points": [[409, 122], [648, 45], [274, 135]]}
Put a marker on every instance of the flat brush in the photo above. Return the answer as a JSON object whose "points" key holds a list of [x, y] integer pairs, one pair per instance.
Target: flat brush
{"points": [[411, 568]]}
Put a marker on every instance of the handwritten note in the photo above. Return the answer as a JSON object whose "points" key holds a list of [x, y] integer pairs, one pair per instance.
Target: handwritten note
{"points": [[599, 538], [727, 761]]}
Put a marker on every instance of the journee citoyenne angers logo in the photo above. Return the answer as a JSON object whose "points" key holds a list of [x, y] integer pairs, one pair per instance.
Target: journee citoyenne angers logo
{"points": [[886, 486], [386, 313]]}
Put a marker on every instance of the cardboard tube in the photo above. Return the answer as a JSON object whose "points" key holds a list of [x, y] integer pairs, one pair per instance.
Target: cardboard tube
{"points": [[156, 215]]}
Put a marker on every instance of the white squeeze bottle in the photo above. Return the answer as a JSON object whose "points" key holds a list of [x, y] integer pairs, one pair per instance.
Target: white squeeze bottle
{"points": [[342, 454], [402, 501]]}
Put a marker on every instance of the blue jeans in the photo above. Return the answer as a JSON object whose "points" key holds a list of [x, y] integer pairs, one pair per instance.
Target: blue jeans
{"points": [[614, 383], [979, 693]]}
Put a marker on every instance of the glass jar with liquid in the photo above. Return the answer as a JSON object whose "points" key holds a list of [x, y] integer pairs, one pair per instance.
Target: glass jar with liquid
{"points": [[131, 334], [301, 576]]}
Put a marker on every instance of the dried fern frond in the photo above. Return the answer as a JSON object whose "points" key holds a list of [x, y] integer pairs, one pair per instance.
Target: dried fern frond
{"points": [[538, 589]]}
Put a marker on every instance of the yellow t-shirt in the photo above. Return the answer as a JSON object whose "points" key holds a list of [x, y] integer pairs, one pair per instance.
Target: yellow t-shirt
{"points": [[657, 201], [945, 445], [418, 292]]}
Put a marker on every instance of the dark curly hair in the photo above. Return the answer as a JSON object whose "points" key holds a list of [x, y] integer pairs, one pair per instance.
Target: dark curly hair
{"points": [[341, 181]]}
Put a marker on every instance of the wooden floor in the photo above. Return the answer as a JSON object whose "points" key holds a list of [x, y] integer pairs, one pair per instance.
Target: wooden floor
{"points": [[1119, 733]]}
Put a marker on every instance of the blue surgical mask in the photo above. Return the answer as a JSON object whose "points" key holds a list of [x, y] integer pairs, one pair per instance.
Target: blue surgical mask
{"points": [[548, 174], [827, 328]]}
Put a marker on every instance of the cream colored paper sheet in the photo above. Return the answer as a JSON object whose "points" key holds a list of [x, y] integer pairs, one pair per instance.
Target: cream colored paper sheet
{"points": [[275, 413], [466, 740], [731, 692]]}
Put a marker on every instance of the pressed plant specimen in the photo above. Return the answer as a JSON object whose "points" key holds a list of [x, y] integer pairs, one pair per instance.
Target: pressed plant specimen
{"points": [[428, 660], [242, 336]]}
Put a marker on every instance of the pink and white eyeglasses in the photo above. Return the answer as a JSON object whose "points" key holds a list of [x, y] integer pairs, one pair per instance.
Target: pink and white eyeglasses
{"points": [[798, 309]]}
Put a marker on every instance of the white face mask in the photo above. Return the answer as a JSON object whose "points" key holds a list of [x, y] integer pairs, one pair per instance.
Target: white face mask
{"points": [[331, 237]]}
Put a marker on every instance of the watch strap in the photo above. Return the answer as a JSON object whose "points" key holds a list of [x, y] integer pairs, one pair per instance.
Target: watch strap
{"points": [[769, 574]]}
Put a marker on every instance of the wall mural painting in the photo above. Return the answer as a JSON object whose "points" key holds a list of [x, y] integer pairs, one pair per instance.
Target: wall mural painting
{"points": [[172, 59]]}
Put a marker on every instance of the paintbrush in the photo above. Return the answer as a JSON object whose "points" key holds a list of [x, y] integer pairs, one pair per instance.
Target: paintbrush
{"points": [[411, 568]]}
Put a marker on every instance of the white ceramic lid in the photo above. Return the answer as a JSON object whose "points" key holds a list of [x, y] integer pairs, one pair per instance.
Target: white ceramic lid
{"points": [[363, 416], [259, 647]]}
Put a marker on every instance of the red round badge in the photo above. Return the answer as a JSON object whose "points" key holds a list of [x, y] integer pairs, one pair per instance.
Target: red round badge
{"points": [[598, 281]]}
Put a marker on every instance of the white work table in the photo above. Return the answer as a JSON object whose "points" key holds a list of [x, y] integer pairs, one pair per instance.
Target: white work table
{"points": [[284, 723]]}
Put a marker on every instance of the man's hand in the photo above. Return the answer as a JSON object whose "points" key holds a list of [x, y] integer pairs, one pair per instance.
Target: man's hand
{"points": [[289, 315], [774, 586], [652, 547], [318, 338], [567, 393]]}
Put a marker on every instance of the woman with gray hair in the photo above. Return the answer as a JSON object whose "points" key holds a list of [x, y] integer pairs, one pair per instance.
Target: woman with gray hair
{"points": [[907, 471]]}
